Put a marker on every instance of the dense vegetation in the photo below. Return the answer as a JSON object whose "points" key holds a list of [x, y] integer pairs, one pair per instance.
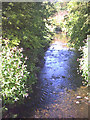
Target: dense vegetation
{"points": [[14, 74], [77, 27], [25, 39], [77, 22], [84, 65]]}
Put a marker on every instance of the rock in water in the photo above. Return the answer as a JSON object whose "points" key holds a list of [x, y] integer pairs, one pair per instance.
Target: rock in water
{"points": [[78, 97], [63, 76]]}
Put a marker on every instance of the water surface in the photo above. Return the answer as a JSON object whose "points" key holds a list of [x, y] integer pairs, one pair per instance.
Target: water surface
{"points": [[59, 84]]}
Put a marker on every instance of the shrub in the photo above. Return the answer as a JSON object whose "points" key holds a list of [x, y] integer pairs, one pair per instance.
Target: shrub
{"points": [[24, 25], [76, 22], [14, 74], [84, 63]]}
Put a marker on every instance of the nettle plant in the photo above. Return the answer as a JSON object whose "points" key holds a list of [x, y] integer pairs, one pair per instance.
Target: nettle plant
{"points": [[14, 74]]}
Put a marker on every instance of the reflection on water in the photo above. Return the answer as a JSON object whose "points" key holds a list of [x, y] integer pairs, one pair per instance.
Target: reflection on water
{"points": [[59, 84], [61, 65]]}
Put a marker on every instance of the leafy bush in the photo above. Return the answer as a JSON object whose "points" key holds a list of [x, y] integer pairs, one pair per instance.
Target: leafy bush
{"points": [[84, 63], [14, 74], [77, 27], [76, 22], [24, 25]]}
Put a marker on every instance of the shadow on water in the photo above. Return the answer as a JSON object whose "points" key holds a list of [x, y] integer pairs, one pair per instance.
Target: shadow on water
{"points": [[58, 74], [60, 67], [57, 77]]}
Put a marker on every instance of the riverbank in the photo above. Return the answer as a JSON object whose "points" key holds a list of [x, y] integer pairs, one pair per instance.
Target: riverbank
{"points": [[59, 92]]}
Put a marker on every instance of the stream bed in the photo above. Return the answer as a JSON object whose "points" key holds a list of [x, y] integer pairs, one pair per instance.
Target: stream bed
{"points": [[59, 92]]}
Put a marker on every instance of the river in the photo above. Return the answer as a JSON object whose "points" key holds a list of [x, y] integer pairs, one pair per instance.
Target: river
{"points": [[59, 92]]}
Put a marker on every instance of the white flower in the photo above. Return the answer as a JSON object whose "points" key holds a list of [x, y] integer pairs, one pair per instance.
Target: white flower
{"points": [[5, 72], [20, 62], [16, 99], [26, 58]]}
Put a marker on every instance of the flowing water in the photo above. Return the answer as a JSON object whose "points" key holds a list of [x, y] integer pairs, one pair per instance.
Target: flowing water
{"points": [[59, 92]]}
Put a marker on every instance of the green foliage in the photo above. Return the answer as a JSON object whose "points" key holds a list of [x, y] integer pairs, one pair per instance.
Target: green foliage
{"points": [[84, 63], [24, 25], [77, 27], [76, 22], [14, 74], [60, 6]]}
